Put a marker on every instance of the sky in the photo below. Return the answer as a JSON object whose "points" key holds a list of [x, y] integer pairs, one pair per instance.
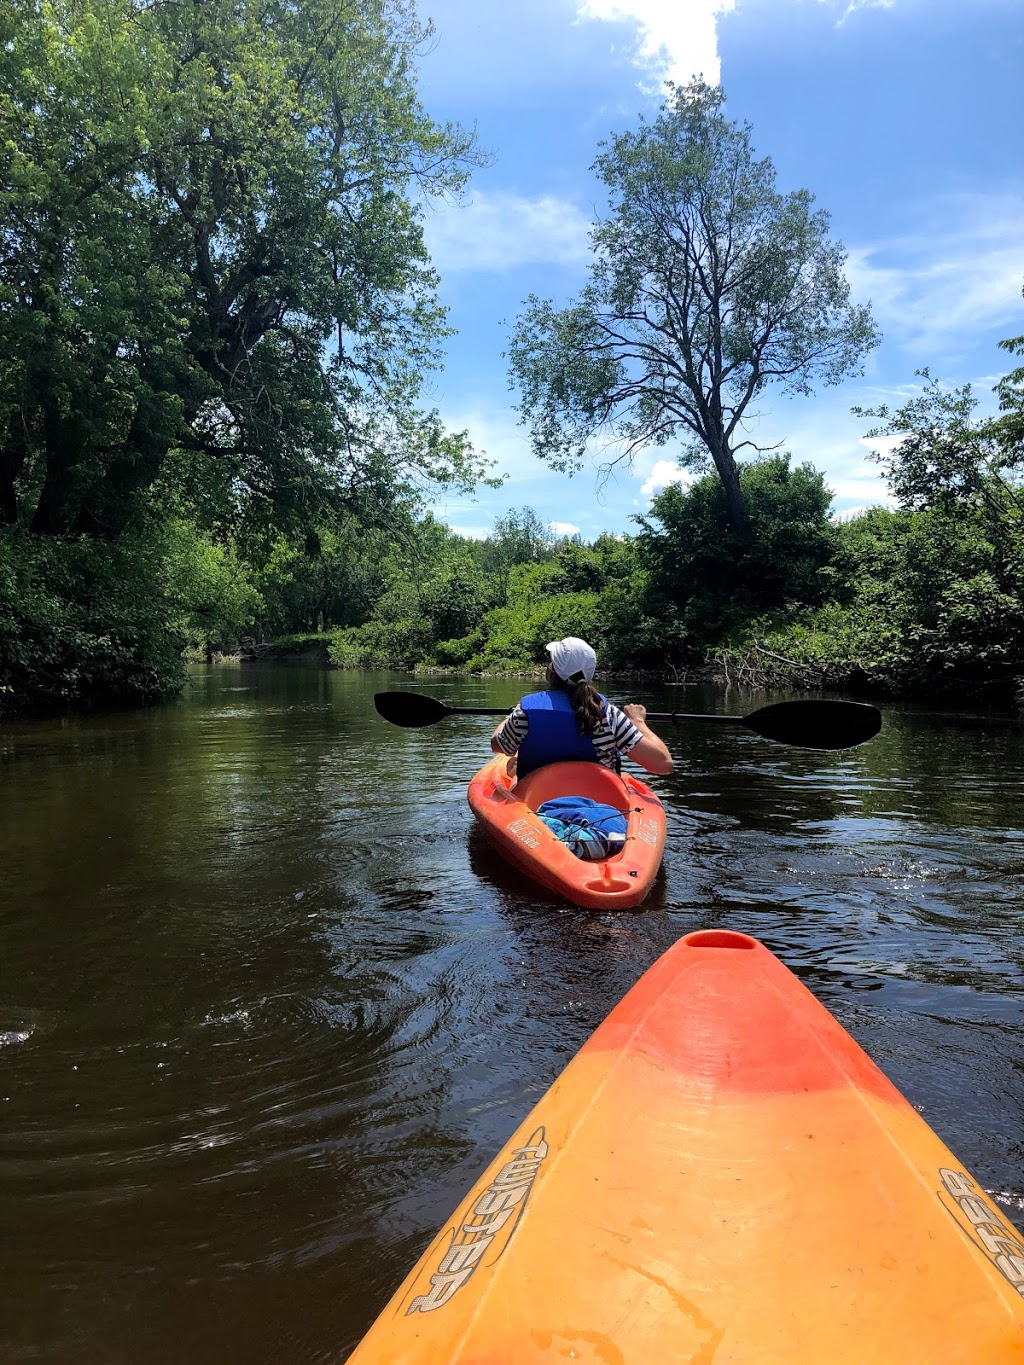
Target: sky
{"points": [[902, 117]]}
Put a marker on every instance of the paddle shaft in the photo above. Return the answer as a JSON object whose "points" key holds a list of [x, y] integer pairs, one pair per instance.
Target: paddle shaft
{"points": [[651, 715], [689, 715], [814, 724], [478, 710]]}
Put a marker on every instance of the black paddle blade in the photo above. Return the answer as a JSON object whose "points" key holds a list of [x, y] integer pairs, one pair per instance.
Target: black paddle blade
{"points": [[409, 709], [817, 724]]}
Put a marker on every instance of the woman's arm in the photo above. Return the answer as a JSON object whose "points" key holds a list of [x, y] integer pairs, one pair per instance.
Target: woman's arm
{"points": [[650, 751], [510, 733]]}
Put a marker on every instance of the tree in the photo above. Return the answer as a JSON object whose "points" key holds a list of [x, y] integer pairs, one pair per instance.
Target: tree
{"points": [[946, 457], [210, 238], [707, 285], [706, 584], [519, 537]]}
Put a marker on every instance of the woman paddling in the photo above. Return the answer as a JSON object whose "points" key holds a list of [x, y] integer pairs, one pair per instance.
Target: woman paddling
{"points": [[571, 721]]}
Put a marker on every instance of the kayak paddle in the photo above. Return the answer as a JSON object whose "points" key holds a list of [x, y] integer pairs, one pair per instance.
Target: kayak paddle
{"points": [[813, 724]]}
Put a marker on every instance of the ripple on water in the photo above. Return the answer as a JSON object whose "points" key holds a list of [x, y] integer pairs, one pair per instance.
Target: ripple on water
{"points": [[11, 1037]]}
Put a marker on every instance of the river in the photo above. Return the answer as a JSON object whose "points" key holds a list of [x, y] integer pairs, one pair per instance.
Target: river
{"points": [[268, 1004]]}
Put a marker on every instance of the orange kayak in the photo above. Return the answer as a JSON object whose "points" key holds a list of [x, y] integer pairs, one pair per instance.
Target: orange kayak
{"points": [[506, 810], [720, 1175]]}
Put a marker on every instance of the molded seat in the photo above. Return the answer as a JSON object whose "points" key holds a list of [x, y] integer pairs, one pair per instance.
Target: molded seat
{"points": [[572, 779]]}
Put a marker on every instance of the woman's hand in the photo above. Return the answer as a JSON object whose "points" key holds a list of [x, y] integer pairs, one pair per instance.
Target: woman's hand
{"points": [[650, 752]]}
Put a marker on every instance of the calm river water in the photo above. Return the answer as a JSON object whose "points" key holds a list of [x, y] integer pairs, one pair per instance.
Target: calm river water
{"points": [[268, 1005]]}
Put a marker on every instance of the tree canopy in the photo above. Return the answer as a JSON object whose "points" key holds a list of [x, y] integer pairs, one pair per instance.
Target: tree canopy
{"points": [[707, 284], [210, 240], [706, 583], [945, 456]]}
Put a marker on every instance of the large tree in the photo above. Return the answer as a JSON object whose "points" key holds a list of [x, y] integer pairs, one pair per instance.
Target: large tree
{"points": [[706, 286], [210, 241]]}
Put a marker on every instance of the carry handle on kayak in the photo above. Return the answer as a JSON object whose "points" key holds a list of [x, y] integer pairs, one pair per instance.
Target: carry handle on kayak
{"points": [[813, 724]]}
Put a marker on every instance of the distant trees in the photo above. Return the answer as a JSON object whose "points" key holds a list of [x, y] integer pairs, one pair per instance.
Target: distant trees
{"points": [[494, 604], [706, 286], [519, 537]]}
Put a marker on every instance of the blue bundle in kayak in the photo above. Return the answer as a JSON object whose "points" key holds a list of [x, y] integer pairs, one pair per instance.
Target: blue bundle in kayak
{"points": [[590, 829]]}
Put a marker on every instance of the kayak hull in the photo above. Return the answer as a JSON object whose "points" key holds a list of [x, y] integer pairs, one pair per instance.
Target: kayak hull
{"points": [[720, 1174], [506, 811]]}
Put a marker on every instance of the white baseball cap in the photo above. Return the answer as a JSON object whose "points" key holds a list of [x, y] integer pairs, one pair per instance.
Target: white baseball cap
{"points": [[570, 657]]}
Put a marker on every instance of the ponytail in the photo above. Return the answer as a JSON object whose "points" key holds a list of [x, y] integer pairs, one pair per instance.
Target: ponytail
{"points": [[586, 702]]}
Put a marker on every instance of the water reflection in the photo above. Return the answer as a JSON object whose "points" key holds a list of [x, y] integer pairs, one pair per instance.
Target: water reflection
{"points": [[269, 1002]]}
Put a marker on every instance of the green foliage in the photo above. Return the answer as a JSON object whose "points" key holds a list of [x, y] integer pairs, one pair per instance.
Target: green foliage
{"points": [[518, 538], [707, 286], [217, 313], [398, 635], [86, 620], [81, 619], [947, 458], [330, 577], [432, 591], [445, 609], [930, 605], [208, 586], [514, 636], [943, 602], [706, 584], [210, 237]]}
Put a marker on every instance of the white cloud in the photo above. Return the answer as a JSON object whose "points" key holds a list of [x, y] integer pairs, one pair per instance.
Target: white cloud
{"points": [[856, 5], [511, 55], [501, 230], [866, 490], [881, 445], [563, 528], [936, 291], [529, 482], [494, 429], [678, 39], [470, 532], [662, 474]]}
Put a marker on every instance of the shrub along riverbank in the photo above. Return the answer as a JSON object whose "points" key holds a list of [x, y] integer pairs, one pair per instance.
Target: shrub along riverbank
{"points": [[923, 598]]}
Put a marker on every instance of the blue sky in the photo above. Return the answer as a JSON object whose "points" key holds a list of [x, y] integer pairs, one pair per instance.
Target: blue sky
{"points": [[902, 117]]}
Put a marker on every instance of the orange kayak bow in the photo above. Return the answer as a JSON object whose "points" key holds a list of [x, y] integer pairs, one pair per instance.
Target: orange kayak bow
{"points": [[720, 1175], [506, 811]]}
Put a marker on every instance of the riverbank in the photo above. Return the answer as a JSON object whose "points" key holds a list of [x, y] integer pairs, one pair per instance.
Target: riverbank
{"points": [[313, 649], [725, 668], [754, 670]]}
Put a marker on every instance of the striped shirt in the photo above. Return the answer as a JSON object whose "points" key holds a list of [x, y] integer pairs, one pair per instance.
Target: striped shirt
{"points": [[615, 734]]}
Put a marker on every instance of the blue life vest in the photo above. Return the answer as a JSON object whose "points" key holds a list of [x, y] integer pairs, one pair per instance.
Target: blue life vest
{"points": [[552, 736]]}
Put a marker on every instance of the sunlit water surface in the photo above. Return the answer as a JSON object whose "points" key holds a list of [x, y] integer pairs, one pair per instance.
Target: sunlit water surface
{"points": [[268, 1004]]}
